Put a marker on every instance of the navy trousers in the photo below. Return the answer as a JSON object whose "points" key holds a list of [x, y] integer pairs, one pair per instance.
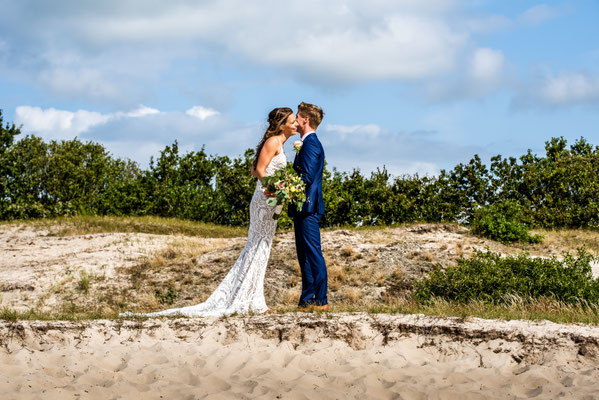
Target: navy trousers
{"points": [[311, 261]]}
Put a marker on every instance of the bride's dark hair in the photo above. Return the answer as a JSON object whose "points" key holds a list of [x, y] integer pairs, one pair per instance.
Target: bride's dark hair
{"points": [[276, 119]]}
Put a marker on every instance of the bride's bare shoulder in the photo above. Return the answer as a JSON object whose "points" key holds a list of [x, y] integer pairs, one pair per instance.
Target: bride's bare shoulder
{"points": [[273, 145]]}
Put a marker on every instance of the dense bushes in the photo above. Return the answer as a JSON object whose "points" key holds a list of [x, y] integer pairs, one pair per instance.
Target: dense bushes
{"points": [[502, 221], [39, 179], [492, 278]]}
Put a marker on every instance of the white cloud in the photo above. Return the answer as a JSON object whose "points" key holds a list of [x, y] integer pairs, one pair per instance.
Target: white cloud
{"points": [[569, 88], [114, 52], [486, 72], [53, 124], [396, 47], [201, 112], [115, 75], [57, 124], [487, 66], [144, 131], [107, 51], [538, 14], [61, 124], [141, 111], [565, 89]]}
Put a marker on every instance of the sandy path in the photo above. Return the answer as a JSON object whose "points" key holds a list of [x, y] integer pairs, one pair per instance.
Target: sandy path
{"points": [[299, 356]]}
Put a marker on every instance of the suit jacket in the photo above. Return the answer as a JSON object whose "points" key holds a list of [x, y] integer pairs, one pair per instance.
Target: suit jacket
{"points": [[309, 164]]}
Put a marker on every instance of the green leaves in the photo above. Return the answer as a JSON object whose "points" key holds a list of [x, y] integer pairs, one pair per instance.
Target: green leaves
{"points": [[502, 221], [558, 189], [286, 186], [492, 278]]}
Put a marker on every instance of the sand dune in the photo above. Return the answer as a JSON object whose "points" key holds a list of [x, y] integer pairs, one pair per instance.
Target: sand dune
{"points": [[299, 356]]}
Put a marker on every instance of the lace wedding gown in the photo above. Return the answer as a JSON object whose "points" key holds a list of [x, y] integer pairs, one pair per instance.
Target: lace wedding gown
{"points": [[242, 290]]}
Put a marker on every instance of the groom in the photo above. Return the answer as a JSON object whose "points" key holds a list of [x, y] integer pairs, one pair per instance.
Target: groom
{"points": [[309, 164]]}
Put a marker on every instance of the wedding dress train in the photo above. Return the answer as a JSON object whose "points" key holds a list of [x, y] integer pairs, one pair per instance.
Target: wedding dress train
{"points": [[242, 290]]}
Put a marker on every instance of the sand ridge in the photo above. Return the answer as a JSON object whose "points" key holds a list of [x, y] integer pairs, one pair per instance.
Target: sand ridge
{"points": [[299, 356]]}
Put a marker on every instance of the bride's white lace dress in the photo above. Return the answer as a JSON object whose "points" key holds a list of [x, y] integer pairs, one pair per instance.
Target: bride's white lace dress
{"points": [[242, 290]]}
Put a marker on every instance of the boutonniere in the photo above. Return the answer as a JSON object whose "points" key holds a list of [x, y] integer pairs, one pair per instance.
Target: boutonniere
{"points": [[297, 145]]}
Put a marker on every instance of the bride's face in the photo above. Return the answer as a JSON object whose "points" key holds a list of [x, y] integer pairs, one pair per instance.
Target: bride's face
{"points": [[290, 127]]}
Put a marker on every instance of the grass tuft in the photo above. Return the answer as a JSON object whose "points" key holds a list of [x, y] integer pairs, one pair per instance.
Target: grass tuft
{"points": [[83, 285], [9, 315]]}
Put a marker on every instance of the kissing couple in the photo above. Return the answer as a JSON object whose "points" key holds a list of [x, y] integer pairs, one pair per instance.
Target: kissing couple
{"points": [[242, 290]]}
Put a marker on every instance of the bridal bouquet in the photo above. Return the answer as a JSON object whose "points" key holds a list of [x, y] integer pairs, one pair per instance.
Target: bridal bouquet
{"points": [[287, 186]]}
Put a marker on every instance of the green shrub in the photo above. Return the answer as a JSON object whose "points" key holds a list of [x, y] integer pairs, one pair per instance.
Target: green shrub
{"points": [[492, 278], [501, 221], [70, 177], [167, 296]]}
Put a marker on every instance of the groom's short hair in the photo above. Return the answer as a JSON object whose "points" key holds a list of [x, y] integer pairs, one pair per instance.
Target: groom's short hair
{"points": [[314, 113]]}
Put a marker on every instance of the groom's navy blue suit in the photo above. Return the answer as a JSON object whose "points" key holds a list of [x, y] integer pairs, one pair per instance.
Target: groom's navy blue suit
{"points": [[309, 164]]}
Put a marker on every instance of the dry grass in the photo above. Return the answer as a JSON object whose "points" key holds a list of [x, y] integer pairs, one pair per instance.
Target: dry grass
{"points": [[378, 278], [380, 237], [289, 297], [368, 270], [537, 310], [351, 295], [81, 225], [398, 273], [336, 276], [348, 251], [373, 259], [531, 309], [557, 241], [427, 256], [180, 273]]}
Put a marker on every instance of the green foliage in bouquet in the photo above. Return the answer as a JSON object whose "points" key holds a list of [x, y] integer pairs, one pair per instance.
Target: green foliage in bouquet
{"points": [[501, 221], [491, 278], [287, 186]]}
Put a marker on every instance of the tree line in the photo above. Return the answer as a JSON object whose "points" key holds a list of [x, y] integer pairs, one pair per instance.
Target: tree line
{"points": [[40, 179]]}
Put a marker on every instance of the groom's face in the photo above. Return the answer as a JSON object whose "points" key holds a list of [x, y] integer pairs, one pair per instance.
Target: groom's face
{"points": [[302, 123]]}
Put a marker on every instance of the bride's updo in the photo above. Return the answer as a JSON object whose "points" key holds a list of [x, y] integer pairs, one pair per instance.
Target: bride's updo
{"points": [[276, 119]]}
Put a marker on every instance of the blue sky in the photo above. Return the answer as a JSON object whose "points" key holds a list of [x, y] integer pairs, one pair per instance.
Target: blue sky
{"points": [[414, 85]]}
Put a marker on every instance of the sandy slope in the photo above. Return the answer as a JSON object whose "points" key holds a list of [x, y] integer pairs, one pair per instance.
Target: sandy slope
{"points": [[42, 271], [299, 356]]}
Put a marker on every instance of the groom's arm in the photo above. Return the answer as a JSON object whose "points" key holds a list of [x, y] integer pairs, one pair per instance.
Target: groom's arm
{"points": [[308, 163]]}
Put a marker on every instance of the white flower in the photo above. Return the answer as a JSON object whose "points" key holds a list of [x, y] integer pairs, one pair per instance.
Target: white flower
{"points": [[297, 145]]}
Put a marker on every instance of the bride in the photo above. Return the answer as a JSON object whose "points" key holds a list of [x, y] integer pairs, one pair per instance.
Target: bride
{"points": [[242, 290]]}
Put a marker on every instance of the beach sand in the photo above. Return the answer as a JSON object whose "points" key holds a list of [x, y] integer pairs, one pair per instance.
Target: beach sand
{"points": [[286, 356], [299, 356]]}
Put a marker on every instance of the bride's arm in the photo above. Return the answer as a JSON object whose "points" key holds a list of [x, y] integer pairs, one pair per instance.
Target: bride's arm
{"points": [[267, 153]]}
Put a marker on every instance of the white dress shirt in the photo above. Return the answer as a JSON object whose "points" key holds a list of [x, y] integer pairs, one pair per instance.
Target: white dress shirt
{"points": [[306, 135]]}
